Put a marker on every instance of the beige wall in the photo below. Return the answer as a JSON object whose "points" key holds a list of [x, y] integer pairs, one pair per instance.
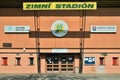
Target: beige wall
{"points": [[103, 16], [99, 17], [17, 40], [108, 67], [74, 24], [102, 43], [43, 63], [13, 68]]}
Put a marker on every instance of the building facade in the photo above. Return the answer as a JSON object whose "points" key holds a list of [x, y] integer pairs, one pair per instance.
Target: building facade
{"points": [[59, 41]]}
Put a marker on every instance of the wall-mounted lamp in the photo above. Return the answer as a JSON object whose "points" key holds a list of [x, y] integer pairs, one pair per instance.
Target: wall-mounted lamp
{"points": [[24, 49]]}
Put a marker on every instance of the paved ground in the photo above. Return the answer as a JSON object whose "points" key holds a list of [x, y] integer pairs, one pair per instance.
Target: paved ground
{"points": [[59, 77]]}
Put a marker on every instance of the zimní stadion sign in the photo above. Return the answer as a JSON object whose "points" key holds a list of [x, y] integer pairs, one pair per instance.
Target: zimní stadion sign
{"points": [[59, 5]]}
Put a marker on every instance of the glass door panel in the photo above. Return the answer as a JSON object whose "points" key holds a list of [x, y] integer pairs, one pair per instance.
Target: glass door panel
{"points": [[60, 63], [70, 60], [55, 60], [49, 60], [63, 60]]}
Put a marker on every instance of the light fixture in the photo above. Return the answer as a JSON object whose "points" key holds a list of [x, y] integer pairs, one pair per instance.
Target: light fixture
{"points": [[24, 49]]}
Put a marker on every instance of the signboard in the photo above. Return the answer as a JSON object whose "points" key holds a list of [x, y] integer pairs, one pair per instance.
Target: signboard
{"points": [[89, 60], [59, 28], [104, 54], [108, 28], [59, 6], [59, 50], [16, 29], [7, 45]]}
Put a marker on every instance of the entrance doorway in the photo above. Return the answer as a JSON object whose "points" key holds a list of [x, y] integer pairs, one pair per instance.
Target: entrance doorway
{"points": [[60, 63]]}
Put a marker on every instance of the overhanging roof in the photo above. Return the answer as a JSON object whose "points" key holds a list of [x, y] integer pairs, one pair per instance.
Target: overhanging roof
{"points": [[19, 3]]}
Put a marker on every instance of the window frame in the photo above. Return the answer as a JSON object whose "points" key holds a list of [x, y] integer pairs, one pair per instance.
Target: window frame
{"points": [[30, 61], [117, 61], [4, 61], [103, 61], [18, 61]]}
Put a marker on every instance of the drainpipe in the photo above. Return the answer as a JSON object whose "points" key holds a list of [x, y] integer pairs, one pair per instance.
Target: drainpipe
{"points": [[82, 40], [37, 39]]}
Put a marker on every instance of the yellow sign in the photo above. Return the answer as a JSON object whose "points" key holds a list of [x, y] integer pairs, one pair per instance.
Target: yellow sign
{"points": [[59, 6]]}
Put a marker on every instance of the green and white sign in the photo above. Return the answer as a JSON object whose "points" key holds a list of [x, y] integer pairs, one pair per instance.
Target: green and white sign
{"points": [[59, 28], [59, 5], [16, 29], [103, 28]]}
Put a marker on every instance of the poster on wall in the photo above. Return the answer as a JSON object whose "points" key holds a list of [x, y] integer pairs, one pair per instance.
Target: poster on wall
{"points": [[89, 60]]}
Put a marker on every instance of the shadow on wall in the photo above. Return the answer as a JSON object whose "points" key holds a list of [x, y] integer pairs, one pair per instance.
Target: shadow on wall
{"points": [[70, 34], [98, 12]]}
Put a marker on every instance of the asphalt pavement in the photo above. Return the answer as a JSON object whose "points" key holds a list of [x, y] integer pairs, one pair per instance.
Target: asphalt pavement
{"points": [[64, 76]]}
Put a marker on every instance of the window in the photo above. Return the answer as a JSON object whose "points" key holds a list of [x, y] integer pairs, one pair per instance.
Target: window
{"points": [[63, 60], [102, 61], [115, 60], [18, 61], [49, 60], [70, 60], [31, 61], [4, 61], [55, 60]]}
